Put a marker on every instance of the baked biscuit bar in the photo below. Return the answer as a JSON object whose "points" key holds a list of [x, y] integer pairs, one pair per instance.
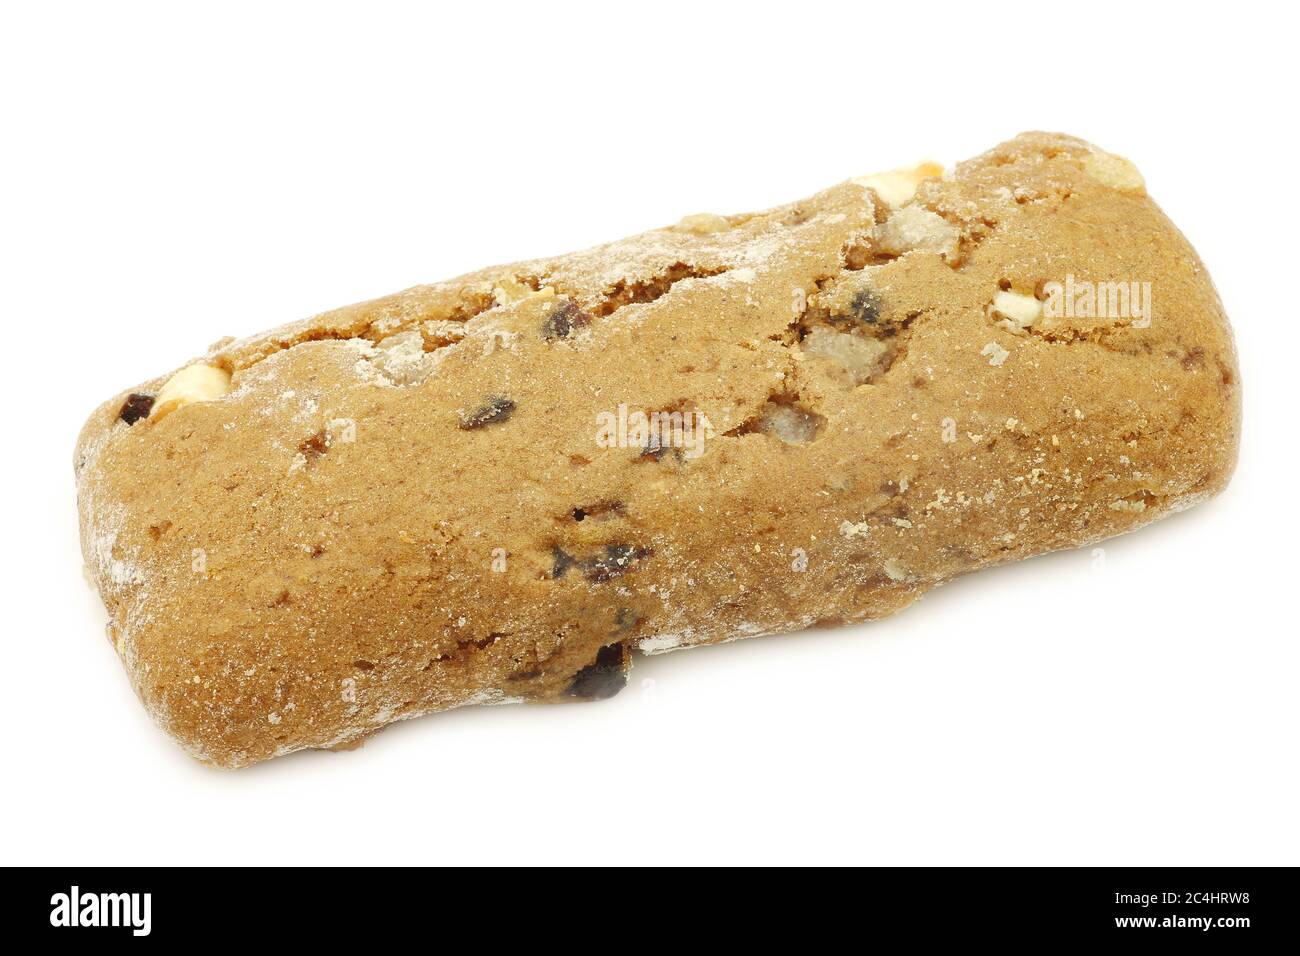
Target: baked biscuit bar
{"points": [[498, 488]]}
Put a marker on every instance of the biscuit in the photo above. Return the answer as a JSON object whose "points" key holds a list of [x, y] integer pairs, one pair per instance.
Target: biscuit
{"points": [[498, 488]]}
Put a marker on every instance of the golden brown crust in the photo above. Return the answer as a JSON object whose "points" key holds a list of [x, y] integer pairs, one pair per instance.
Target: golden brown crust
{"points": [[408, 505]]}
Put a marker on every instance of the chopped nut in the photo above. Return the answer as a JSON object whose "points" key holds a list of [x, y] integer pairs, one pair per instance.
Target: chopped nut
{"points": [[996, 353], [897, 186], [1017, 310], [855, 529], [916, 228], [402, 358], [509, 290], [704, 223], [895, 571], [194, 383], [1114, 171], [859, 355], [1135, 506], [792, 424]]}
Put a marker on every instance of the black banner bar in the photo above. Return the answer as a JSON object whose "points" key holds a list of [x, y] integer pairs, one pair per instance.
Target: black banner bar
{"points": [[1224, 907]]}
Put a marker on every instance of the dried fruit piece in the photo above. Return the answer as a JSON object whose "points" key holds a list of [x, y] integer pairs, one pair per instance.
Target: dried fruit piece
{"points": [[136, 407], [865, 306], [617, 559], [564, 318], [561, 561], [655, 449], [605, 677], [496, 408], [313, 447]]}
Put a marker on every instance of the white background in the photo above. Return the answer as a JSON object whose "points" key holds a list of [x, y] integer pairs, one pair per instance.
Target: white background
{"points": [[172, 174]]}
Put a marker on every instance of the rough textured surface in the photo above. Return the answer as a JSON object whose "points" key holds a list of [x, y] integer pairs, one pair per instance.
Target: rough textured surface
{"points": [[409, 504]]}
